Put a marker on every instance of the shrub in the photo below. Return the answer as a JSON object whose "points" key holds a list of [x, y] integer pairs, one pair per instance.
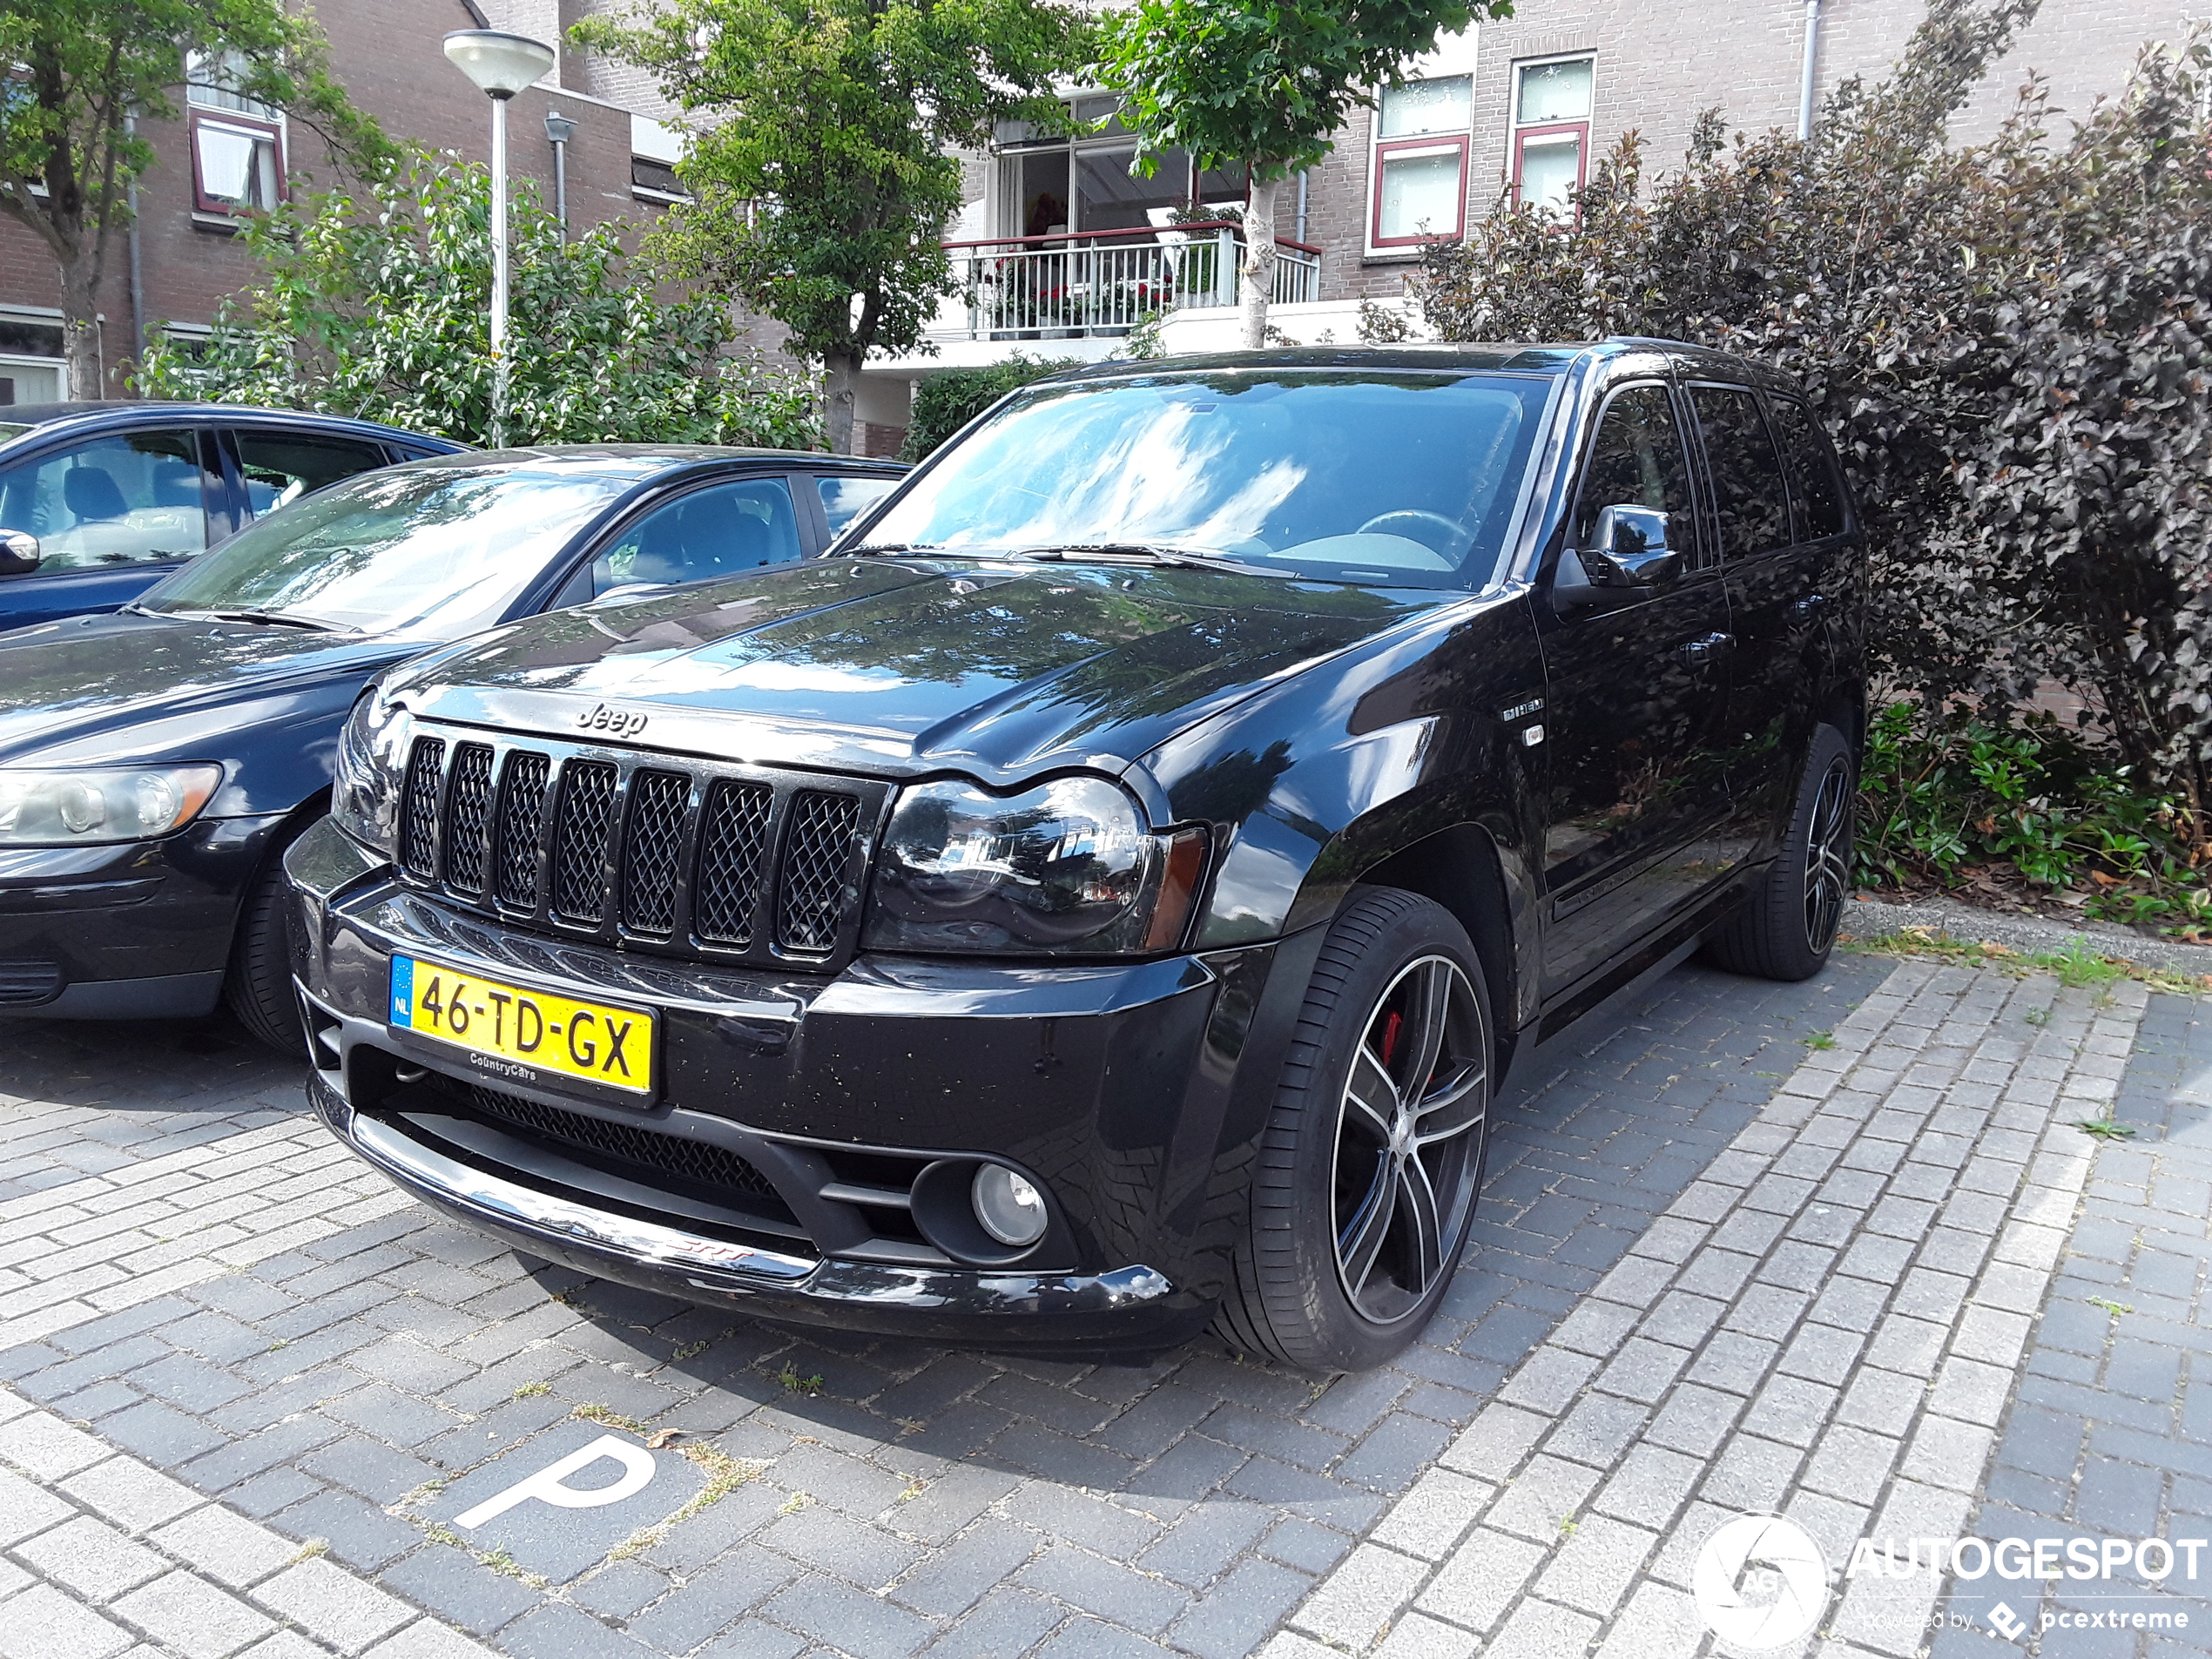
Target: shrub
{"points": [[377, 306], [1952, 797], [2009, 341], [947, 401]]}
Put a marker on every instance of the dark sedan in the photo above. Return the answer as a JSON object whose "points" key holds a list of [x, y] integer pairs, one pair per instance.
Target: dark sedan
{"points": [[100, 500], [155, 763]]}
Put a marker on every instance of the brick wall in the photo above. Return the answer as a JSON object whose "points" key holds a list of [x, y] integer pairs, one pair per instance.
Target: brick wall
{"points": [[1657, 67], [389, 54]]}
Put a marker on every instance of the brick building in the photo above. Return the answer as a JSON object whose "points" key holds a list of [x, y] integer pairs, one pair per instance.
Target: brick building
{"points": [[1065, 251], [389, 54]]}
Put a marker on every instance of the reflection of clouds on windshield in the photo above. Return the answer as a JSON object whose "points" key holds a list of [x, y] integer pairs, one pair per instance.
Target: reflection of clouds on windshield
{"points": [[1147, 480]]}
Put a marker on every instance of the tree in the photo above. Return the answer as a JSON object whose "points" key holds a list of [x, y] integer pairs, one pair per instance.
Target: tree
{"points": [[375, 305], [1263, 82], [2010, 342], [91, 70], [819, 162]]}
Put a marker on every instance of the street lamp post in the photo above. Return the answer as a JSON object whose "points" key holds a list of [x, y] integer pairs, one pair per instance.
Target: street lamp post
{"points": [[501, 65]]}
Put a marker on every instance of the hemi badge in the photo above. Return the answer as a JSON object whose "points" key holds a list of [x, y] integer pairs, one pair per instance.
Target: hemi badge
{"points": [[1519, 711]]}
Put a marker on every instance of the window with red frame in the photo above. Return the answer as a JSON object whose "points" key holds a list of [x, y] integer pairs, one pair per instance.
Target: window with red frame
{"points": [[237, 142], [1551, 132], [1419, 190]]}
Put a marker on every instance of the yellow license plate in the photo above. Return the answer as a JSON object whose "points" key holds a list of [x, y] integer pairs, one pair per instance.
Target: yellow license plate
{"points": [[529, 1030]]}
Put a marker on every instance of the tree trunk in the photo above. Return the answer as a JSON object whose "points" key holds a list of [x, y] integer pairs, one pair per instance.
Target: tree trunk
{"points": [[1258, 285], [841, 378], [80, 326]]}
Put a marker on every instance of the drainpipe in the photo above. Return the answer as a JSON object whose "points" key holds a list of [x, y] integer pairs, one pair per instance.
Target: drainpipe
{"points": [[138, 270], [1302, 178], [1812, 59], [559, 129]]}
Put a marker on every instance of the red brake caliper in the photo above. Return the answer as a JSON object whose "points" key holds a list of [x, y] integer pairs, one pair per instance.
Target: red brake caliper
{"points": [[1393, 1022]]}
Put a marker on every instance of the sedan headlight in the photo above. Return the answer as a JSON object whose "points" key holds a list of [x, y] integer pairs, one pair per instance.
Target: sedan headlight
{"points": [[91, 805], [365, 795], [1067, 866]]}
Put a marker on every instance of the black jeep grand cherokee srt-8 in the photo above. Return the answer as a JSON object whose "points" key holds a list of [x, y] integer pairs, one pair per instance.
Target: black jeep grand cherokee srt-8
{"points": [[1103, 894]]}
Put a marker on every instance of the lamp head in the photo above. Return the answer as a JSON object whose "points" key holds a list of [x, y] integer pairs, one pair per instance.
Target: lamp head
{"points": [[499, 64]]}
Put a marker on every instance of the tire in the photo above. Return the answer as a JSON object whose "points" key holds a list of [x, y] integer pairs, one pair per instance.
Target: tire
{"points": [[258, 987], [1326, 1276], [1787, 929]]}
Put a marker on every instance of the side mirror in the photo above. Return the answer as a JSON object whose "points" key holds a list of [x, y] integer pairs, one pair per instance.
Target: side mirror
{"points": [[19, 553], [1627, 560]]}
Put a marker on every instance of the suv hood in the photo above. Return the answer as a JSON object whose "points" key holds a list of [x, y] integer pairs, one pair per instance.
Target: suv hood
{"points": [[995, 668]]}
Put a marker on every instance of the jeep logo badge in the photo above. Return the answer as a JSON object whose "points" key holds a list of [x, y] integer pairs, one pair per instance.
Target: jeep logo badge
{"points": [[618, 722]]}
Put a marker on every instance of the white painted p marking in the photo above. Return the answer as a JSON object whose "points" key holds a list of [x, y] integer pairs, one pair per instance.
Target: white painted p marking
{"points": [[549, 1484]]}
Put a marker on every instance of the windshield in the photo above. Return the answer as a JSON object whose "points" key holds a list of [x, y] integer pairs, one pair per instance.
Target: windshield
{"points": [[435, 552], [1403, 479]]}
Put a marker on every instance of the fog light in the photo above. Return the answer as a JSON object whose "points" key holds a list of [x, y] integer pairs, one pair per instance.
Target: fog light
{"points": [[1009, 1206]]}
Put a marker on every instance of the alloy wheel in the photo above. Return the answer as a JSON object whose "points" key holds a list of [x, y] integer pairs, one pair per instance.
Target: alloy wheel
{"points": [[1827, 854], [1409, 1139]]}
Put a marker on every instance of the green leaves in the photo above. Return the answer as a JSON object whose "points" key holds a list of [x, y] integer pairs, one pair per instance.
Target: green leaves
{"points": [[376, 305]]}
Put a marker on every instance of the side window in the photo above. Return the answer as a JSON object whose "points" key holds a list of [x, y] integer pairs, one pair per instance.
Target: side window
{"points": [[279, 468], [1637, 461], [123, 500], [1747, 477], [1816, 493], [846, 499], [725, 529]]}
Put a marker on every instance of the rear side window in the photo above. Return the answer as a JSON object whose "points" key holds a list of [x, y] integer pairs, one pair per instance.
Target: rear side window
{"points": [[279, 468], [846, 499], [1746, 475], [122, 500], [1816, 494]]}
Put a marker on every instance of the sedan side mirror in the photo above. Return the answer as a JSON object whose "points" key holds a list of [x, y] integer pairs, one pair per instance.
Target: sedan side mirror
{"points": [[19, 553], [1627, 562]]}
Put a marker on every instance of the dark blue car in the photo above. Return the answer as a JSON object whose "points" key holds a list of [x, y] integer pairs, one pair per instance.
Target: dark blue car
{"points": [[154, 764], [113, 496]]}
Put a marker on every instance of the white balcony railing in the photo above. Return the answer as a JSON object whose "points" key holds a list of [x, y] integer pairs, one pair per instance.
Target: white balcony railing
{"points": [[1106, 282]]}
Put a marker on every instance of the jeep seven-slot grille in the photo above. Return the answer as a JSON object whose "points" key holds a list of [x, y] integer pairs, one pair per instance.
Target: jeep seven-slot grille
{"points": [[677, 857]]}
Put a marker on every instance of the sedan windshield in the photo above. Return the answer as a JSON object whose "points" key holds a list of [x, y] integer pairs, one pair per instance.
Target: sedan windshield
{"points": [[434, 552], [1407, 479]]}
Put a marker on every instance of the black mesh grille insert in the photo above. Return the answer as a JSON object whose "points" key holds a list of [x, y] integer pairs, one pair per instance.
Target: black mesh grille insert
{"points": [[815, 855], [731, 845], [700, 1163], [522, 820], [652, 849], [580, 839], [419, 810], [467, 807]]}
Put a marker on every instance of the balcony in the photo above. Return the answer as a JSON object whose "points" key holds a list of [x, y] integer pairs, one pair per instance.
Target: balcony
{"points": [[1101, 284]]}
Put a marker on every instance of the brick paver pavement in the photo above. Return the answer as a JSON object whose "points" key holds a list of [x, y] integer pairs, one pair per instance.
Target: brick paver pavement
{"points": [[363, 1380]]}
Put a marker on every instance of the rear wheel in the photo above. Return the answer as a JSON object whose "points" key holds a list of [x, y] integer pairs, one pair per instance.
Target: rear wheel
{"points": [[1787, 929], [1373, 1155], [259, 985]]}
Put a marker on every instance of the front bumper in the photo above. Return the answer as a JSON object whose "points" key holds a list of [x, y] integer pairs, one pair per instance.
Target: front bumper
{"points": [[1123, 1090], [141, 930]]}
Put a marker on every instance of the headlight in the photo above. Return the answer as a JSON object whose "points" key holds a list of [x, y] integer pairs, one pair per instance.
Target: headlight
{"points": [[87, 806], [1066, 866], [365, 796]]}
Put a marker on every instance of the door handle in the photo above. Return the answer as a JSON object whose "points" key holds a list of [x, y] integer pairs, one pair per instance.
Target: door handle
{"points": [[1808, 607], [1705, 647]]}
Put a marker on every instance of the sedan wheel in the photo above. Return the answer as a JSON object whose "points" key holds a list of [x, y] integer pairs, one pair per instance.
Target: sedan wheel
{"points": [[1367, 1170]]}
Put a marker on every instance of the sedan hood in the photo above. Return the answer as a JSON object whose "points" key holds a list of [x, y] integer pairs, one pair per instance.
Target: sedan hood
{"points": [[900, 666], [124, 688]]}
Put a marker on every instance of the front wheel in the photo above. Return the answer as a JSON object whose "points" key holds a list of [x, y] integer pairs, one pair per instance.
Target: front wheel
{"points": [[258, 986], [1369, 1164], [1788, 926]]}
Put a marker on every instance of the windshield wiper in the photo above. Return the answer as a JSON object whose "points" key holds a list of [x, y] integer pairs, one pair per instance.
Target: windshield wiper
{"points": [[269, 619], [1150, 553], [883, 547]]}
